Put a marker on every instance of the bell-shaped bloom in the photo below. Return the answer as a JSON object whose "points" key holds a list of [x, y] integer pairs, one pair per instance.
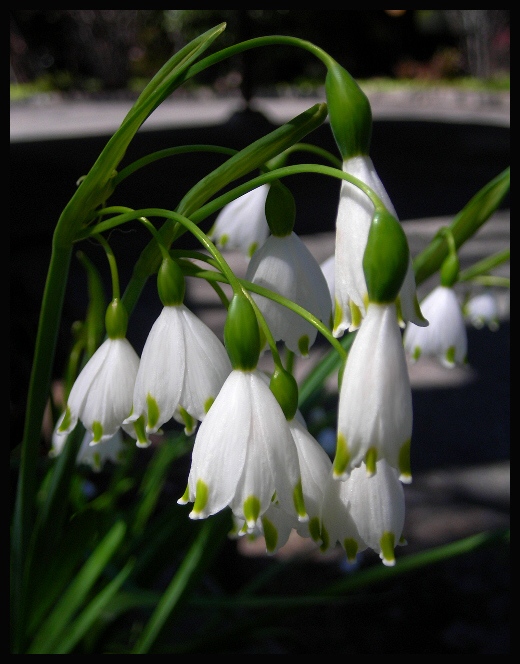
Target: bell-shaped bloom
{"points": [[241, 224], [244, 455], [101, 397], [375, 400], [365, 512], [276, 523], [353, 220], [92, 454], [446, 337], [481, 310], [183, 365], [286, 266]]}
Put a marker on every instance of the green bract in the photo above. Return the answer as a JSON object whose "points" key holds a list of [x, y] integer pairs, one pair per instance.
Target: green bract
{"points": [[285, 388], [450, 270], [170, 283], [386, 257], [116, 319], [280, 209], [349, 112], [241, 334]]}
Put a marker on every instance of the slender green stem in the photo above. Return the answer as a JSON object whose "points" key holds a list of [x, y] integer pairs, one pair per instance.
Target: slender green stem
{"points": [[116, 292], [169, 152], [485, 265], [48, 328], [314, 149]]}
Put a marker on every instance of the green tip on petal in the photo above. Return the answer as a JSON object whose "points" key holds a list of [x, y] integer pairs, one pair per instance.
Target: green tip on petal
{"points": [[189, 421], [252, 248], [208, 403], [299, 502], [185, 497], [355, 313], [201, 500], [251, 510], [405, 466], [315, 529], [338, 315], [370, 461], [140, 432], [303, 345], [342, 457], [450, 355], [65, 425], [223, 240], [153, 411], [416, 353], [325, 539], [351, 548], [97, 430], [270, 535], [387, 543]]}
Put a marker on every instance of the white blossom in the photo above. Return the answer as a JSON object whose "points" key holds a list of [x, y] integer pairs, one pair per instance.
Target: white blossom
{"points": [[101, 397], [183, 364], [353, 220], [375, 399], [481, 310], [446, 337], [242, 224], [286, 266]]}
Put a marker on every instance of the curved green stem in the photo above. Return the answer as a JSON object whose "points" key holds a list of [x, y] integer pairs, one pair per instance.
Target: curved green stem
{"points": [[116, 292], [169, 152], [314, 149], [485, 265]]}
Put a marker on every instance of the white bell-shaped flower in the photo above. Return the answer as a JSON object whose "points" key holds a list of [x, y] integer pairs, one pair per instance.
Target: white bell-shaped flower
{"points": [[286, 266], [354, 215], [183, 364], [92, 454], [375, 400], [101, 397], [241, 224], [482, 310], [244, 455], [446, 337], [365, 512]]}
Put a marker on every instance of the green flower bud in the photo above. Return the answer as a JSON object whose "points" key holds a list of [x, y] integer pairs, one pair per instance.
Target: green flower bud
{"points": [[386, 258], [241, 334], [450, 270], [349, 112], [170, 283], [280, 209], [116, 319], [285, 388]]}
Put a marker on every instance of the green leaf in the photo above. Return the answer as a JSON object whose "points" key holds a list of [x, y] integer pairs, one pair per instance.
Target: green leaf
{"points": [[52, 629], [467, 222]]}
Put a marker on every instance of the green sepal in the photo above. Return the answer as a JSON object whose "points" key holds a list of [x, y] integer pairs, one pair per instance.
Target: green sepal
{"points": [[386, 258], [241, 334], [170, 283], [450, 269], [285, 388], [116, 319], [280, 209], [349, 112]]}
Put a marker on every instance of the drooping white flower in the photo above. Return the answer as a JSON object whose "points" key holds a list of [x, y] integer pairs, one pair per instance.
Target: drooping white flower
{"points": [[276, 524], [365, 512], [241, 224], [446, 337], [92, 454], [101, 397], [286, 266], [183, 364], [244, 455], [354, 215], [375, 400], [481, 310]]}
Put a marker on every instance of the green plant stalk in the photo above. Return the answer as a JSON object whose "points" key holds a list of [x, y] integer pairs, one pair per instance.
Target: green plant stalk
{"points": [[93, 190], [193, 566], [466, 223], [485, 265]]}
